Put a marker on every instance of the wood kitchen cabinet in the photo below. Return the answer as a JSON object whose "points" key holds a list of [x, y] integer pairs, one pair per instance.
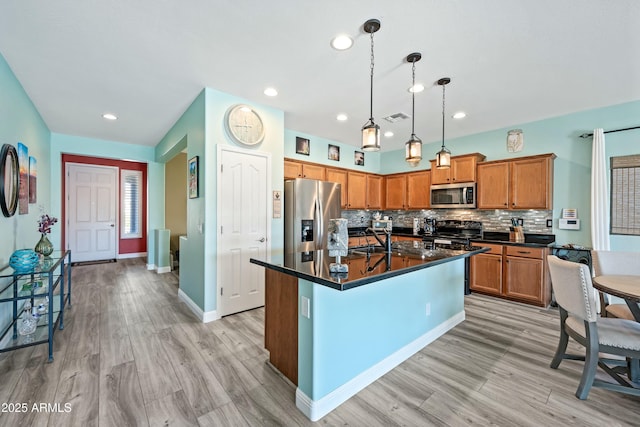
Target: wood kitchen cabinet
{"points": [[341, 177], [518, 273], [396, 191], [418, 189], [486, 271], [522, 183], [357, 191], [375, 191], [292, 170], [463, 169]]}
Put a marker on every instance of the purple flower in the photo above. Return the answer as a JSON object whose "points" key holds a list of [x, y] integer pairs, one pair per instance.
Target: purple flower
{"points": [[45, 222]]}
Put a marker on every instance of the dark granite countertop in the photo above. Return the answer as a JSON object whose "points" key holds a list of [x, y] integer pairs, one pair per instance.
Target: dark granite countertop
{"points": [[530, 240], [367, 266]]}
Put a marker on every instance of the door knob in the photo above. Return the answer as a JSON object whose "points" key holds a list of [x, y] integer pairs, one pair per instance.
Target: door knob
{"points": [[112, 225], [262, 240]]}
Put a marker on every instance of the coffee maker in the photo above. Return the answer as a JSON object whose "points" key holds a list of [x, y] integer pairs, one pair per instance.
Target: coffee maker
{"points": [[429, 226]]}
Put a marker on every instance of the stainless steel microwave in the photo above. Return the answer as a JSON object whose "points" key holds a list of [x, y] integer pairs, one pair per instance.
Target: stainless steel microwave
{"points": [[454, 195]]}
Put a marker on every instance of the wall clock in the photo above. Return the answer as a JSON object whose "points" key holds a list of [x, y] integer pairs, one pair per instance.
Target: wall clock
{"points": [[9, 174], [244, 125]]}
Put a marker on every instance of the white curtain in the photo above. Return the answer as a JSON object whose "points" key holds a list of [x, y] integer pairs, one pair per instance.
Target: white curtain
{"points": [[599, 194]]}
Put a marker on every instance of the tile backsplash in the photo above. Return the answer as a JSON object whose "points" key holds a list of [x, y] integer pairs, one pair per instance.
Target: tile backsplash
{"points": [[534, 221]]}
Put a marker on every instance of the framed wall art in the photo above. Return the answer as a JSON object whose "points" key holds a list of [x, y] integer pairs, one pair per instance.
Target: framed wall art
{"points": [[33, 180], [23, 185], [192, 178], [302, 146], [334, 152], [358, 158]]}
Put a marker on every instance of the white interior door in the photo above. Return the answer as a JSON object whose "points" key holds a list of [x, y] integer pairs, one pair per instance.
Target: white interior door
{"points": [[92, 200], [243, 228]]}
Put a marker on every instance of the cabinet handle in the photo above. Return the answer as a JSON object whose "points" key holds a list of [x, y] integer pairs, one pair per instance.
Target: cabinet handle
{"points": [[524, 252], [506, 204]]}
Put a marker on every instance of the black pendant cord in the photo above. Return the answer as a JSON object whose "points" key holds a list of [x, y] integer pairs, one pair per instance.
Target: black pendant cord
{"points": [[443, 88], [371, 88], [413, 98]]}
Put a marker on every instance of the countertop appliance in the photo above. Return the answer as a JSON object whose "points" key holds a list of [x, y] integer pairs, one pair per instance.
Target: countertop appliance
{"points": [[456, 232], [308, 206], [461, 195]]}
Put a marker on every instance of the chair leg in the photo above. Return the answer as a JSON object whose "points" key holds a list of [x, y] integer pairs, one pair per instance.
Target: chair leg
{"points": [[562, 344], [590, 363]]}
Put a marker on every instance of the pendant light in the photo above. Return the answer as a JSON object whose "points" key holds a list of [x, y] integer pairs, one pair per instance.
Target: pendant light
{"points": [[371, 131], [413, 147], [443, 157]]}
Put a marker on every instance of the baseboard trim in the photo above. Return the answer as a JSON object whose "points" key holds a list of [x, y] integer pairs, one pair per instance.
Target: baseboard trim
{"points": [[162, 270], [316, 409], [132, 255], [151, 266], [204, 317]]}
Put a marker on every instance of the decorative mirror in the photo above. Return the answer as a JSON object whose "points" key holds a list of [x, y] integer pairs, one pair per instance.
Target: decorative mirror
{"points": [[9, 174]]}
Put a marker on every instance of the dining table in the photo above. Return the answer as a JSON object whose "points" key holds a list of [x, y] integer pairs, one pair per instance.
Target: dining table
{"points": [[623, 286], [627, 287]]}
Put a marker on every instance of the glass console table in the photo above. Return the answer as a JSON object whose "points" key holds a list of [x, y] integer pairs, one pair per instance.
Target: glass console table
{"points": [[44, 290]]}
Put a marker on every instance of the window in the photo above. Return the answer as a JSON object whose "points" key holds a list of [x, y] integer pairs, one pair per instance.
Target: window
{"points": [[131, 204], [625, 195]]}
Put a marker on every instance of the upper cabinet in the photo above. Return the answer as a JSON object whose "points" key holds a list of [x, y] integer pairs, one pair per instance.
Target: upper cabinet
{"points": [[396, 191], [522, 183], [357, 193], [339, 176], [375, 191], [294, 170], [310, 171], [418, 189], [463, 169]]}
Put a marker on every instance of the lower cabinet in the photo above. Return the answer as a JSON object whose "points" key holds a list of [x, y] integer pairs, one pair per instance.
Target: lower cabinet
{"points": [[518, 273]]}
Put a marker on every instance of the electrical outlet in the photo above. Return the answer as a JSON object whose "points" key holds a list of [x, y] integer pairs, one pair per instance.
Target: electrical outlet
{"points": [[549, 223], [428, 309], [305, 310], [520, 222]]}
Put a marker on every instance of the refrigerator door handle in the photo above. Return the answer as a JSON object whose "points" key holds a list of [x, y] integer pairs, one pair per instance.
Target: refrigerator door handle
{"points": [[319, 223]]}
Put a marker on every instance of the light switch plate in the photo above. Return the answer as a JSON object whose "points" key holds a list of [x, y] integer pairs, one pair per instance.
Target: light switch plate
{"points": [[305, 309]]}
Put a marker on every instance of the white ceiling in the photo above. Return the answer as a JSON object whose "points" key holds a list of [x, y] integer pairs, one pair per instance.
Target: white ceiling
{"points": [[510, 61]]}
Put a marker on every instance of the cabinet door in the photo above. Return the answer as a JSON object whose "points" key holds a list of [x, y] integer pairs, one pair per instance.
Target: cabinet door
{"points": [[463, 169], [313, 171], [357, 194], [493, 186], [396, 189], [340, 176], [531, 183], [440, 176], [486, 274], [374, 191], [292, 170], [418, 190], [524, 279]]}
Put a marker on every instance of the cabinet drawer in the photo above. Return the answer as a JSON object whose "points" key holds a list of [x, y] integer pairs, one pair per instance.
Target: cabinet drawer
{"points": [[525, 252], [495, 249]]}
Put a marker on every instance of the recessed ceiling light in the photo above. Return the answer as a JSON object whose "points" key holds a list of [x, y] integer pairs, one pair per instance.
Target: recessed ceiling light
{"points": [[341, 42], [417, 88], [109, 116], [341, 117], [388, 134], [270, 91], [459, 115]]}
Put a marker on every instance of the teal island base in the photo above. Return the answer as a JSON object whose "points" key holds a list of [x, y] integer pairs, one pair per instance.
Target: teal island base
{"points": [[331, 344]]}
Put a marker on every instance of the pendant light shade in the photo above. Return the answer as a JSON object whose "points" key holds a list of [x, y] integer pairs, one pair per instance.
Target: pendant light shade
{"points": [[371, 131], [443, 157], [413, 147]]}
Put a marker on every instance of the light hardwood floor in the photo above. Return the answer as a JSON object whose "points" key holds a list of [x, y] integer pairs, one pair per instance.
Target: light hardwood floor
{"points": [[131, 354]]}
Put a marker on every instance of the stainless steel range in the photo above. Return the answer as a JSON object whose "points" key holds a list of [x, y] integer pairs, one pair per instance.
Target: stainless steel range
{"points": [[455, 232]]}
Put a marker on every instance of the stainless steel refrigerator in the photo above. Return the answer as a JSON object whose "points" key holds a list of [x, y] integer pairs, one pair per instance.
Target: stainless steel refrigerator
{"points": [[308, 206]]}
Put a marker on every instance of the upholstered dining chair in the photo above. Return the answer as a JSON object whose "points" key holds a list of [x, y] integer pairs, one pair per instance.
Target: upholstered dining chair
{"points": [[613, 262], [579, 320]]}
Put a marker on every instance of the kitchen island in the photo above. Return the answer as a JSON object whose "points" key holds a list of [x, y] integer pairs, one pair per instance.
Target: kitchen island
{"points": [[334, 334]]}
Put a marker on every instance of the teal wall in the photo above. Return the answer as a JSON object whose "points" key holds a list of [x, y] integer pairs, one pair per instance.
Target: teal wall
{"points": [[69, 144], [318, 152], [202, 127], [349, 332], [21, 122]]}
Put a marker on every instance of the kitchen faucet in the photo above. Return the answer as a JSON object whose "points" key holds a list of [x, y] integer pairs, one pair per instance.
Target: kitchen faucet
{"points": [[387, 242]]}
